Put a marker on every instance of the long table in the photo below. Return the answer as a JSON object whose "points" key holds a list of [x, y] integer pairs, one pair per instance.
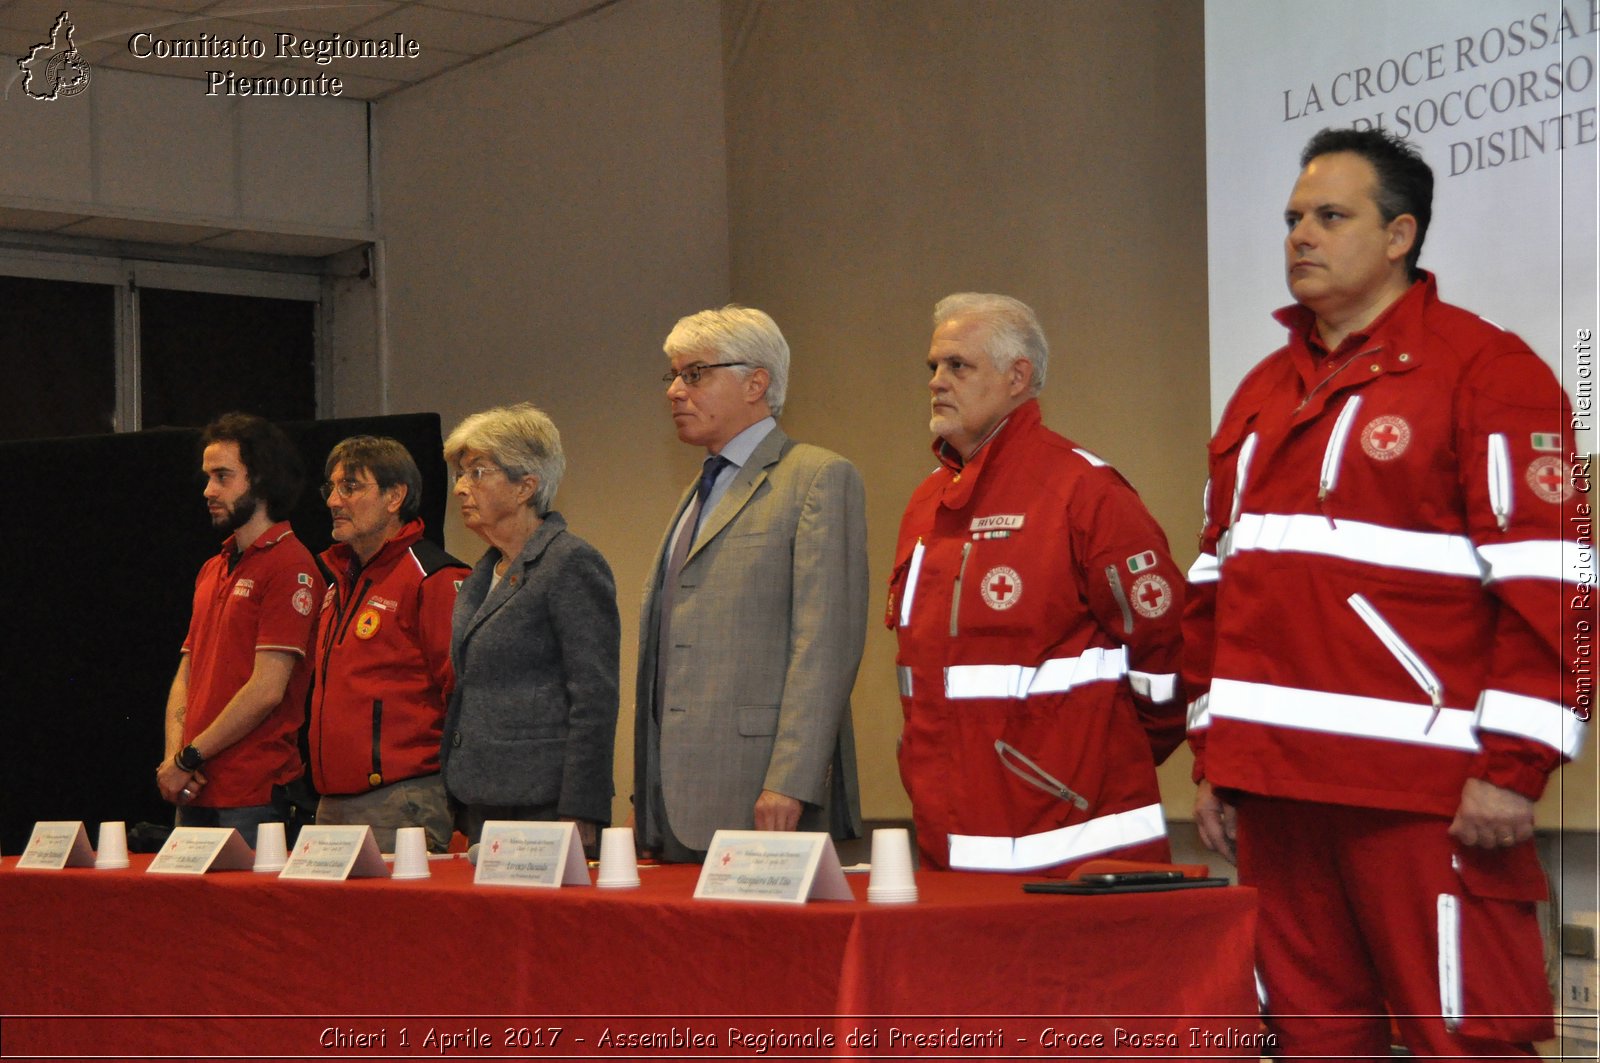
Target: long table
{"points": [[124, 964]]}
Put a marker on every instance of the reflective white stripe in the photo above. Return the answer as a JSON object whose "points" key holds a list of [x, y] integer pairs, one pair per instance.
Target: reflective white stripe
{"points": [[1335, 448], [1450, 960], [1346, 714], [1534, 718], [911, 585], [1241, 472], [904, 675], [1539, 559], [1092, 459], [973, 852], [1205, 569], [1020, 681], [1414, 665], [1501, 496], [1261, 989], [1200, 713], [1154, 686], [1353, 540]]}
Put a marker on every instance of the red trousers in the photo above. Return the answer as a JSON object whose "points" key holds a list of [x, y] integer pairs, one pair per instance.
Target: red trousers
{"points": [[1367, 914]]}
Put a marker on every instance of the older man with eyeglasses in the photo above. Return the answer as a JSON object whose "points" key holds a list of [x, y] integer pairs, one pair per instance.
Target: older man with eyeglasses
{"points": [[383, 672], [755, 612]]}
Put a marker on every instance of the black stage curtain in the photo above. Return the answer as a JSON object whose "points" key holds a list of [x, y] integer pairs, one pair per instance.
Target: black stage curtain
{"points": [[99, 548]]}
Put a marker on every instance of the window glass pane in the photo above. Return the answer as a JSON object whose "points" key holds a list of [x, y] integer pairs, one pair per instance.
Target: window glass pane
{"points": [[202, 354], [58, 358]]}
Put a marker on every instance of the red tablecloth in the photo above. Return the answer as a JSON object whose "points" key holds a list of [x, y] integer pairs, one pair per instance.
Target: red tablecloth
{"points": [[122, 963]]}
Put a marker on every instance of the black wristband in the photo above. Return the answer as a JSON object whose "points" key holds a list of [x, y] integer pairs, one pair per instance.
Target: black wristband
{"points": [[189, 759]]}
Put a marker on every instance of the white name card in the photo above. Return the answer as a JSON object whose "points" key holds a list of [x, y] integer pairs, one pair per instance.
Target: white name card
{"points": [[774, 866], [196, 850], [335, 853], [513, 853], [56, 844]]}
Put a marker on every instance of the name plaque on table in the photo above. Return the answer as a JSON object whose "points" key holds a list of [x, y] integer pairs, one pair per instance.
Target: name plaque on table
{"points": [[335, 853], [514, 853], [55, 844], [781, 867], [196, 850]]}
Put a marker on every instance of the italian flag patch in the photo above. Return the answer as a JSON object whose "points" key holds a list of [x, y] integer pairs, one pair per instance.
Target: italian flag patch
{"points": [[1547, 441], [1140, 562]]}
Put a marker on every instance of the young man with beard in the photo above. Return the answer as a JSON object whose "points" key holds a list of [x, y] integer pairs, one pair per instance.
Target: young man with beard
{"points": [[238, 699]]}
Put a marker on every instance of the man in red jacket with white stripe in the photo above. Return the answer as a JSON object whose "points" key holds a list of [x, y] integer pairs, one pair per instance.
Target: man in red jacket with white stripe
{"points": [[1037, 611], [1377, 634]]}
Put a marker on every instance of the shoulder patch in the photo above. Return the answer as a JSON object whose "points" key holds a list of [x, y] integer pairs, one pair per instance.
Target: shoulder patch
{"points": [[1547, 477], [432, 557]]}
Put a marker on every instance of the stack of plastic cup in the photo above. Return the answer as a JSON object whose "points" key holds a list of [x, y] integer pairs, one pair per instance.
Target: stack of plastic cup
{"points": [[411, 853], [892, 881], [113, 849], [619, 864], [271, 850]]}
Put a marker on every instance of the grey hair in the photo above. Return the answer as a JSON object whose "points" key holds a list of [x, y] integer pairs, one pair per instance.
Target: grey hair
{"points": [[521, 439], [737, 334], [389, 462], [1013, 330]]}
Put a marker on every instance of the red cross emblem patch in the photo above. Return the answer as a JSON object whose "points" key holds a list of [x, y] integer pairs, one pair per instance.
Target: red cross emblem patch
{"points": [[1001, 587], [1151, 595], [1548, 478], [1386, 438]]}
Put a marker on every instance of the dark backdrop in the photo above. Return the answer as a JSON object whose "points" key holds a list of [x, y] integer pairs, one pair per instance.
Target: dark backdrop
{"points": [[99, 546]]}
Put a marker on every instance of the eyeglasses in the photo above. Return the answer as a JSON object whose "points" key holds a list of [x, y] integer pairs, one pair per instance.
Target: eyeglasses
{"points": [[476, 473], [691, 374], [347, 488]]}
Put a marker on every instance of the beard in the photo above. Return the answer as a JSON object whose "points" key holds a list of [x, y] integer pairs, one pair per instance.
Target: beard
{"points": [[237, 515]]}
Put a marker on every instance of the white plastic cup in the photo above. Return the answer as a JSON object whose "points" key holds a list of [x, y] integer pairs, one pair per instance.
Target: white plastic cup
{"points": [[892, 881], [619, 864], [112, 851], [272, 852], [411, 853]]}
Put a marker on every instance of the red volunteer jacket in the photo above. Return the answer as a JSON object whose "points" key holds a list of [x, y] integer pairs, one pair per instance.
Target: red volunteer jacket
{"points": [[383, 664], [1037, 612], [1384, 602]]}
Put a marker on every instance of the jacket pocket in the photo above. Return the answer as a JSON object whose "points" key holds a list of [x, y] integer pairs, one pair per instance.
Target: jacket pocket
{"points": [[1491, 958], [758, 721], [1409, 659]]}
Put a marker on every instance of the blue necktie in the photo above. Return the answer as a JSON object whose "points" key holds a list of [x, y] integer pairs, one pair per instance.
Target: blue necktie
{"points": [[708, 477]]}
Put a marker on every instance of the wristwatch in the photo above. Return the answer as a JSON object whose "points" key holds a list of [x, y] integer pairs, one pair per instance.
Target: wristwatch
{"points": [[189, 759]]}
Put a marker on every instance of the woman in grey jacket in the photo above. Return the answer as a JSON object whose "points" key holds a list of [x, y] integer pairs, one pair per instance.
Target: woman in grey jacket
{"points": [[532, 721]]}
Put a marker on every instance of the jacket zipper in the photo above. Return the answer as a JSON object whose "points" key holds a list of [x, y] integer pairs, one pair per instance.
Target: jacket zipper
{"points": [[1414, 665], [1335, 375], [1121, 598], [911, 584], [955, 599], [1335, 451], [341, 621], [1241, 475], [1501, 496]]}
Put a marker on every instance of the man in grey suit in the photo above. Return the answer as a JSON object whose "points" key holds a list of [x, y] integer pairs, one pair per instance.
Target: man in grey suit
{"points": [[755, 612]]}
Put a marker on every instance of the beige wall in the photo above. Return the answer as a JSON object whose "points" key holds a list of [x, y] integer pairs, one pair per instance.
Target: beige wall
{"points": [[547, 215], [882, 155]]}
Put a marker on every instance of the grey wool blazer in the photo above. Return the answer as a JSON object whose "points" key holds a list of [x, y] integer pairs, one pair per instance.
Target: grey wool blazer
{"points": [[533, 716], [768, 623]]}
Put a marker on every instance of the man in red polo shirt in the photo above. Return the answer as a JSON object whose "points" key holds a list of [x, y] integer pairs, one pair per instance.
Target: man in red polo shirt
{"points": [[239, 697]]}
